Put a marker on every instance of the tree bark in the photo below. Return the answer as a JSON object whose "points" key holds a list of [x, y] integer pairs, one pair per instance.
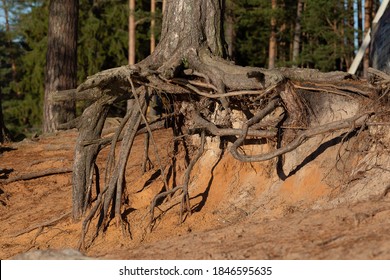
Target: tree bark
{"points": [[367, 25], [297, 32], [230, 33], [164, 2], [4, 135], [349, 38], [359, 22], [131, 32], [188, 25], [272, 39], [61, 62], [152, 25], [9, 42]]}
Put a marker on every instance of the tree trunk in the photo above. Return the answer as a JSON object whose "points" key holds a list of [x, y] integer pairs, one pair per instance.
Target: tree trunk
{"points": [[4, 135], [152, 25], [230, 34], [61, 62], [9, 42], [367, 25], [132, 39], [164, 2], [272, 39], [188, 25], [131, 32], [359, 22], [297, 32], [349, 37]]}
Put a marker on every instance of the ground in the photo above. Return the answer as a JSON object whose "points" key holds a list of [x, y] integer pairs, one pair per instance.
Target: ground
{"points": [[333, 203]]}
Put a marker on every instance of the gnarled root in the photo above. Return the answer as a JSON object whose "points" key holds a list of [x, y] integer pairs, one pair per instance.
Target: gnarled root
{"points": [[185, 206]]}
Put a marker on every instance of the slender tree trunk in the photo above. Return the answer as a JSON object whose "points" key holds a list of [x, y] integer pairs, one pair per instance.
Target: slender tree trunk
{"points": [[230, 34], [360, 21], [349, 34], [152, 25], [131, 32], [4, 135], [368, 4], [9, 41], [132, 39], [297, 32], [272, 39], [61, 62], [164, 3], [375, 7]]}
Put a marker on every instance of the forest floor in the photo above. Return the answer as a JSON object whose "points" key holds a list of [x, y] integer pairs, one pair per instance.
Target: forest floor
{"points": [[329, 206]]}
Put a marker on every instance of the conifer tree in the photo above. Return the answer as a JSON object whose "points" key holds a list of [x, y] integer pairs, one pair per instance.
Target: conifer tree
{"points": [[297, 32], [272, 38], [61, 61], [368, 7]]}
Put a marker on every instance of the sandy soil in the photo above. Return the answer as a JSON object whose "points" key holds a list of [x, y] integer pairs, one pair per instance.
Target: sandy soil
{"points": [[325, 207]]}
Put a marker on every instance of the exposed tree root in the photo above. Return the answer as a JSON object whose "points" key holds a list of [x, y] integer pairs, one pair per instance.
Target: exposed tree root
{"points": [[206, 98], [210, 95], [185, 200], [42, 225], [38, 174], [147, 163], [355, 122]]}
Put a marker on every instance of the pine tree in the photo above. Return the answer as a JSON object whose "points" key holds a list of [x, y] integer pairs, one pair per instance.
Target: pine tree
{"points": [[4, 68], [132, 37], [297, 32], [368, 7], [61, 61], [16, 111], [272, 39]]}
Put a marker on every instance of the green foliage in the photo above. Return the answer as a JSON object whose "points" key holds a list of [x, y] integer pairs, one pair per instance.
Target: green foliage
{"points": [[12, 71], [325, 35], [252, 29], [102, 36], [23, 105]]}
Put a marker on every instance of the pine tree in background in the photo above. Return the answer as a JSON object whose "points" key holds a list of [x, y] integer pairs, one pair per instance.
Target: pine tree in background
{"points": [[132, 37], [297, 33], [368, 8], [325, 35], [359, 22], [230, 22], [272, 38], [6, 5], [16, 113], [252, 31], [4, 70], [61, 62], [152, 25]]}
